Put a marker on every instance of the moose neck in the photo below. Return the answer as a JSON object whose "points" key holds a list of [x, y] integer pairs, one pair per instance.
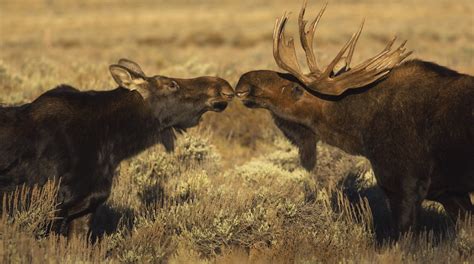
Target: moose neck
{"points": [[332, 121], [128, 126]]}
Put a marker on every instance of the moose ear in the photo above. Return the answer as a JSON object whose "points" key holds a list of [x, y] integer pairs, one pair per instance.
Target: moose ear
{"points": [[173, 86], [131, 65], [127, 78]]}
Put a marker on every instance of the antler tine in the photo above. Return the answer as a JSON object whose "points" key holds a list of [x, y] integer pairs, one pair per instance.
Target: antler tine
{"points": [[276, 39], [348, 58], [351, 44], [307, 37], [368, 72], [390, 43], [338, 57], [392, 59], [385, 62], [404, 56], [377, 67], [352, 47], [284, 50], [369, 61]]}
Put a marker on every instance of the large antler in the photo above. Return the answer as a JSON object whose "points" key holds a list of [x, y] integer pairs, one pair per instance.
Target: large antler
{"points": [[325, 82]]}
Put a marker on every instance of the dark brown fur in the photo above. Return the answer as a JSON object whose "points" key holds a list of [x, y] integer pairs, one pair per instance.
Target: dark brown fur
{"points": [[416, 126], [81, 137]]}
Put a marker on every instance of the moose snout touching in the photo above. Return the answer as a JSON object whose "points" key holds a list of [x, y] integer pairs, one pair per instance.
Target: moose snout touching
{"points": [[243, 91], [225, 95]]}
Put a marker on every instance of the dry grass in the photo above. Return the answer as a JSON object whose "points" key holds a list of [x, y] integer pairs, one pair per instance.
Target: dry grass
{"points": [[233, 192]]}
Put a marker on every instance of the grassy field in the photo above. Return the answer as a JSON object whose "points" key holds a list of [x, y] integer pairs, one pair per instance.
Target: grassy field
{"points": [[233, 192]]}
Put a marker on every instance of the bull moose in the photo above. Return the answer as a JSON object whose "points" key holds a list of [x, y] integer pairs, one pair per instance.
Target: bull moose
{"points": [[413, 120], [81, 137]]}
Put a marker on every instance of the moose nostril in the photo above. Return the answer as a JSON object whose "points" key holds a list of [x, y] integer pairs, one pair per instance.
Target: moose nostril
{"points": [[219, 106]]}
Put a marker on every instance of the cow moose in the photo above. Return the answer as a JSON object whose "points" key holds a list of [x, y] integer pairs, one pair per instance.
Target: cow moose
{"points": [[413, 120], [80, 138]]}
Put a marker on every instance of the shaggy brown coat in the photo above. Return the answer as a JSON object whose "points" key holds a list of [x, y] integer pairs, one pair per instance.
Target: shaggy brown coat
{"points": [[416, 126]]}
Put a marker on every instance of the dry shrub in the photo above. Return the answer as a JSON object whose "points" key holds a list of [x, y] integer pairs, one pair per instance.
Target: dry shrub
{"points": [[255, 206], [196, 150], [27, 215], [29, 209], [22, 248], [261, 205], [148, 242], [457, 246]]}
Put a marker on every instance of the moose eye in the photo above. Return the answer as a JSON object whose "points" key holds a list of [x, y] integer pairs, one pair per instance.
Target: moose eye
{"points": [[297, 92], [173, 86]]}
